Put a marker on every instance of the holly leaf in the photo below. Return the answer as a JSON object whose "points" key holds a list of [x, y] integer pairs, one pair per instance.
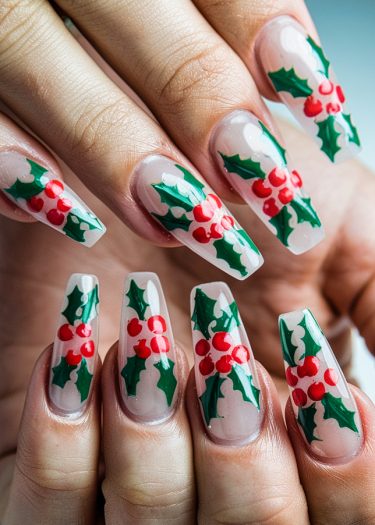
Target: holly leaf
{"points": [[289, 81], [172, 197], [328, 134], [311, 336], [210, 396], [280, 221], [84, 379], [75, 303], [351, 130], [61, 372], [131, 373], [203, 313], [276, 143], [26, 190], [137, 300], [245, 168], [194, 182], [323, 62], [89, 309], [306, 419], [246, 241], [305, 212], [170, 222], [77, 218], [334, 408], [167, 381], [227, 321], [288, 348], [225, 250], [244, 383]]}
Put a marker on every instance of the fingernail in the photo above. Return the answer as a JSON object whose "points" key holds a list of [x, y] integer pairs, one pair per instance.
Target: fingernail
{"points": [[255, 164], [147, 356], [225, 375], [36, 190], [194, 214], [325, 410], [303, 78], [74, 350]]}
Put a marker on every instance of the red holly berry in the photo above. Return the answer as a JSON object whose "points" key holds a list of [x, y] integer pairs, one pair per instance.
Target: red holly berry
{"points": [[83, 330], [201, 235], [222, 341], [340, 94], [65, 332], [301, 371], [286, 195], [270, 208], [160, 344], [88, 348], [316, 391], [240, 354], [55, 217], [277, 177], [311, 365], [35, 203], [54, 188], [134, 327], [73, 359], [260, 190], [326, 87], [312, 106], [141, 349], [224, 364], [227, 222], [64, 204], [331, 377], [214, 201], [206, 366], [332, 107], [299, 397], [296, 179], [216, 231], [203, 212], [156, 324], [291, 379], [202, 347]]}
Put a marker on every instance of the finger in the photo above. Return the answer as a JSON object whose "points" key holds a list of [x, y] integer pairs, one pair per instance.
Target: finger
{"points": [[147, 445], [111, 143], [55, 477], [217, 118], [245, 468], [280, 47]]}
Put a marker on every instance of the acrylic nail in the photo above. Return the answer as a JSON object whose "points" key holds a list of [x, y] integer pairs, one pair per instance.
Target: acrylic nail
{"points": [[225, 374], [147, 356], [303, 78], [324, 407], [195, 215], [36, 190], [74, 353], [255, 164]]}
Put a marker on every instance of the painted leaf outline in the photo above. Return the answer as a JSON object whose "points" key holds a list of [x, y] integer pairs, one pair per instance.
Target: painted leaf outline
{"points": [[288, 348], [225, 250], [311, 328], [135, 295], [84, 378], [334, 408], [203, 312], [244, 383], [210, 397], [131, 373], [306, 420], [170, 222], [290, 82], [320, 56], [61, 372], [26, 190], [167, 381], [328, 135], [246, 168]]}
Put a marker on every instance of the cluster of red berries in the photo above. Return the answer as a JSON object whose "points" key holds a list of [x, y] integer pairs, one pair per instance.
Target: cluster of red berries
{"points": [[316, 390], [52, 191], [158, 343], [223, 342], [205, 211], [66, 332], [314, 106]]}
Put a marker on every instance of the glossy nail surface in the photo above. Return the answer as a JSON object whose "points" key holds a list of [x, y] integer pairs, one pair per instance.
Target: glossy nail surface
{"points": [[194, 215], [255, 164], [326, 412], [303, 77], [74, 353], [225, 375], [37, 191], [147, 356]]}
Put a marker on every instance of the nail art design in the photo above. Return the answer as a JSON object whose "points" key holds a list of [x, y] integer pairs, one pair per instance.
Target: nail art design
{"points": [[33, 188], [324, 407], [302, 76], [74, 351], [196, 216], [225, 375], [255, 164], [147, 357]]}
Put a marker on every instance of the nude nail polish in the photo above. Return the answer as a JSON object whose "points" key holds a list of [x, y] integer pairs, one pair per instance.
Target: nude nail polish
{"points": [[303, 78], [187, 208], [147, 356], [36, 190], [324, 407], [255, 164], [225, 374], [74, 352]]}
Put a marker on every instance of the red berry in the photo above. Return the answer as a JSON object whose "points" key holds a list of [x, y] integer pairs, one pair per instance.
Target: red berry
{"points": [[311, 365], [202, 347], [87, 349], [222, 341], [224, 364], [35, 203], [326, 87], [160, 344], [64, 204], [260, 190], [55, 217], [214, 201], [134, 327], [201, 235], [277, 177], [296, 179], [331, 377], [206, 366], [240, 354], [141, 349], [270, 208], [340, 94], [299, 397], [301, 371], [312, 107], [65, 332], [227, 222], [331, 107], [73, 359], [54, 188], [291, 379], [216, 231], [316, 391], [286, 195], [156, 324], [203, 212], [83, 330]]}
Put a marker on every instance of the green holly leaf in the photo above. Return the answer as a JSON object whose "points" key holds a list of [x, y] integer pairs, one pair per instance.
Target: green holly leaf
{"points": [[225, 250], [170, 222], [334, 408], [210, 396], [77, 218], [351, 130], [328, 134], [245, 168], [172, 197], [320, 56], [198, 187], [312, 334], [306, 419], [281, 151], [244, 383], [244, 239], [131, 373], [288, 348], [137, 300], [289, 81], [305, 212], [281, 223], [227, 321], [167, 381], [61, 372], [203, 313], [84, 379], [26, 190], [89, 309], [73, 310]]}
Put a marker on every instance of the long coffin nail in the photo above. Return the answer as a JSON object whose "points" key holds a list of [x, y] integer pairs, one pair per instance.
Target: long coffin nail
{"points": [[255, 164], [36, 190], [195, 216], [147, 356], [74, 353], [225, 374], [303, 78], [324, 407]]}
